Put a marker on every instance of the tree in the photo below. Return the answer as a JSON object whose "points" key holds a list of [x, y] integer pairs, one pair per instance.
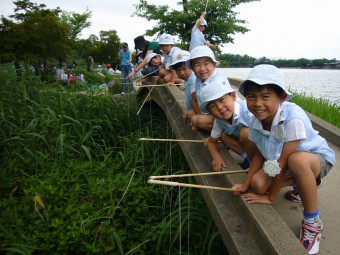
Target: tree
{"points": [[38, 34], [222, 20]]}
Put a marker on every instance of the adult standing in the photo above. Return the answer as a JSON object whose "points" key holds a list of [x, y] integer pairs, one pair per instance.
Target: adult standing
{"points": [[125, 58], [147, 47], [197, 36]]}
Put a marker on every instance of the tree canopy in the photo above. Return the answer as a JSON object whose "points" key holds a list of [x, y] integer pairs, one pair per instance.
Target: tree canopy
{"points": [[222, 19], [36, 34]]}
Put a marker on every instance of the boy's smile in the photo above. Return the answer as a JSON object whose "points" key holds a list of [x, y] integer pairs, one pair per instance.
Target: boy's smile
{"points": [[223, 107], [264, 104], [203, 67]]}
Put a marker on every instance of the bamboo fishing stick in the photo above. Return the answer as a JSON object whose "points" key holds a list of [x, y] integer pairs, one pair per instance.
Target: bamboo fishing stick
{"points": [[179, 184], [206, 5], [198, 174], [145, 100], [170, 140], [146, 75], [151, 85], [173, 140]]}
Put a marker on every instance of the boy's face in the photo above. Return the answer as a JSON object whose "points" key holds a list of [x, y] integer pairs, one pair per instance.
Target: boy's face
{"points": [[223, 107], [203, 67], [263, 103], [166, 48], [201, 28], [155, 61], [183, 72]]}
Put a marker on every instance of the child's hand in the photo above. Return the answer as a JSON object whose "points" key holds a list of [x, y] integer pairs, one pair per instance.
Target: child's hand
{"points": [[217, 163], [253, 198], [238, 188]]}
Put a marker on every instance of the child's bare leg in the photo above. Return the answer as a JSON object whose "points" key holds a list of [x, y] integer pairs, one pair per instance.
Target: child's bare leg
{"points": [[232, 143], [249, 146], [305, 168], [260, 182], [202, 121]]}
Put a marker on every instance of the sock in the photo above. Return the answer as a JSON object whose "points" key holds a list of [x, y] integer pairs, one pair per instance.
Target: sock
{"points": [[312, 218], [243, 154], [245, 164]]}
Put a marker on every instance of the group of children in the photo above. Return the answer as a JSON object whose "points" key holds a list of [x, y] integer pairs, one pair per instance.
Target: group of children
{"points": [[274, 137]]}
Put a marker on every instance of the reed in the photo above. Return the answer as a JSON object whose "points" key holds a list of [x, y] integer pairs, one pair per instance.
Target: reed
{"points": [[320, 107], [81, 154]]}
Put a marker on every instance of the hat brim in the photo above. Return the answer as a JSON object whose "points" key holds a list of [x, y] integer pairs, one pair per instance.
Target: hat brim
{"points": [[261, 83]]}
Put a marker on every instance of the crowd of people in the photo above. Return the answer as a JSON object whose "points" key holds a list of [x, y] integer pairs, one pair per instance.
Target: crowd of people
{"points": [[274, 137]]}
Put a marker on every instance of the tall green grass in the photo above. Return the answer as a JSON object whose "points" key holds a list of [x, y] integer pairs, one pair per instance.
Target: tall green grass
{"points": [[322, 108], [80, 154]]}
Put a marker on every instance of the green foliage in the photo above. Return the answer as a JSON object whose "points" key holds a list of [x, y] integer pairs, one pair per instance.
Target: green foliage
{"points": [[221, 18], [74, 177], [322, 108]]}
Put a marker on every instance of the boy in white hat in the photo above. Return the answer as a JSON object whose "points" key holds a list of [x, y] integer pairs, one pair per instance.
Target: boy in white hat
{"points": [[185, 73], [289, 151], [203, 62], [167, 44], [230, 124], [197, 36]]}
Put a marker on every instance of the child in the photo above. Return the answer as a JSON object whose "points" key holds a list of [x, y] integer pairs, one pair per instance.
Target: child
{"points": [[154, 62], [230, 124], [197, 36], [202, 61], [186, 74], [167, 44], [290, 151], [147, 48]]}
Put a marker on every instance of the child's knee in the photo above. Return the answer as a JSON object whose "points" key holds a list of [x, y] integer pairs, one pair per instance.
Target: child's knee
{"points": [[259, 185]]}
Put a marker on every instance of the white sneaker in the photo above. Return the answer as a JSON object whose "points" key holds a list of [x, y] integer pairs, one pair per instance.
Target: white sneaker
{"points": [[310, 236]]}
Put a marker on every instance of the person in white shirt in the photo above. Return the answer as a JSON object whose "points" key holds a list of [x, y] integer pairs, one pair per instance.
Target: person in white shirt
{"points": [[197, 36]]}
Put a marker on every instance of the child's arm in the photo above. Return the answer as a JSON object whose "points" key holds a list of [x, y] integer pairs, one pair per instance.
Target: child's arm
{"points": [[217, 160], [256, 164], [199, 21], [195, 103], [172, 78]]}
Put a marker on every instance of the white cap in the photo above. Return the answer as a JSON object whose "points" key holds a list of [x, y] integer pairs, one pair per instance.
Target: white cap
{"points": [[204, 23], [212, 91], [179, 56], [151, 56], [265, 75], [202, 51], [166, 39]]}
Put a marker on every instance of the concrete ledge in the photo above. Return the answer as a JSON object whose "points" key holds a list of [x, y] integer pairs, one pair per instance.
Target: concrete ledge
{"points": [[245, 228]]}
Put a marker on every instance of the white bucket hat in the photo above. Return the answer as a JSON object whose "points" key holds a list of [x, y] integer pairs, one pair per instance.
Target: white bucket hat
{"points": [[265, 75], [200, 52], [166, 39], [204, 23], [212, 91], [180, 56], [151, 56]]}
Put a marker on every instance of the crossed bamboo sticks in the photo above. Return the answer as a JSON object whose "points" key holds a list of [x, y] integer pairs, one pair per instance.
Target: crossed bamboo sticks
{"points": [[179, 184]]}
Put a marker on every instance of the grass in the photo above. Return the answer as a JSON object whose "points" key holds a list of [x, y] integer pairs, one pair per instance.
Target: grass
{"points": [[74, 176], [324, 109]]}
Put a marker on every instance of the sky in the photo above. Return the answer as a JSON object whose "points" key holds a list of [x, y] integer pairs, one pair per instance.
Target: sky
{"points": [[280, 29]]}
